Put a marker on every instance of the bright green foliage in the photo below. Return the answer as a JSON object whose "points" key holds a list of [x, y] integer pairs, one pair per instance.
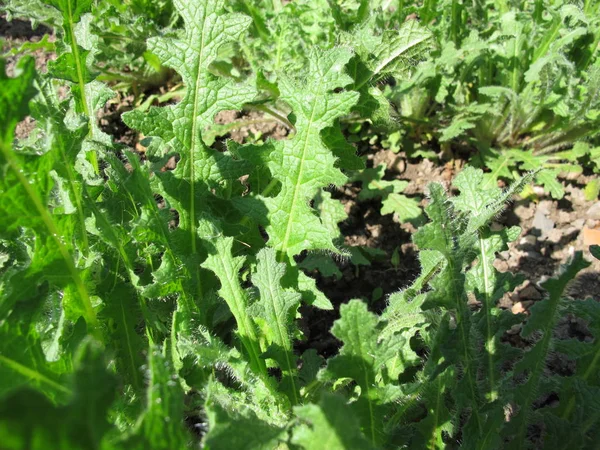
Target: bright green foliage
{"points": [[161, 425], [458, 237], [25, 189], [281, 36], [573, 420], [35, 10], [29, 420], [383, 53], [227, 268], [74, 65], [119, 29], [122, 29], [234, 430], [360, 358], [182, 290], [328, 424], [544, 318], [404, 208], [277, 309], [304, 164], [332, 213], [16, 94], [180, 127], [519, 83]]}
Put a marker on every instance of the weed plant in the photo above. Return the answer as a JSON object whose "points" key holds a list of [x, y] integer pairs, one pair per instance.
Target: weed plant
{"points": [[148, 308]]}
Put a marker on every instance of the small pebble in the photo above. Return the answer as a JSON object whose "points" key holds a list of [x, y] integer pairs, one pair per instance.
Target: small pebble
{"points": [[528, 241], [571, 175], [501, 266], [535, 256], [541, 221], [518, 308], [523, 212], [564, 217], [515, 329], [555, 235], [530, 292], [594, 211]]}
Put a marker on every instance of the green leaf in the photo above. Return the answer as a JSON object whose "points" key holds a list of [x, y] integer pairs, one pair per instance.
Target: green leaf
{"points": [[323, 263], [76, 53], [161, 426], [331, 212], [344, 152], [329, 424], [399, 48], [592, 190], [360, 358], [15, 96], [122, 314], [457, 234], [243, 430], [307, 286], [403, 314], [548, 178], [435, 235], [278, 308], [406, 209], [457, 128], [22, 358], [29, 421], [37, 11], [179, 127], [304, 164], [380, 54], [227, 268], [476, 191], [26, 187]]}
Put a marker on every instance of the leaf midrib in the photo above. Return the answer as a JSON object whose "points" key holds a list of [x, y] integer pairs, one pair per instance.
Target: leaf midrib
{"points": [[237, 307], [298, 183], [357, 328], [90, 314], [193, 141], [33, 374], [75, 49], [283, 337], [487, 311], [403, 49]]}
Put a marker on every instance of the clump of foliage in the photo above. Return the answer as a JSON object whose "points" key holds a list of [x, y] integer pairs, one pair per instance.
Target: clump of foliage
{"points": [[519, 84], [136, 300], [119, 30]]}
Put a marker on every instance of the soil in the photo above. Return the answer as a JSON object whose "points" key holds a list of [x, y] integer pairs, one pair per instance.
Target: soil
{"points": [[13, 35], [252, 125], [551, 229], [17, 32], [551, 234]]}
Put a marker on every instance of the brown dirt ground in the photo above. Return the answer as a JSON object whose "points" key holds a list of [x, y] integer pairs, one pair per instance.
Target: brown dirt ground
{"points": [[13, 34]]}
